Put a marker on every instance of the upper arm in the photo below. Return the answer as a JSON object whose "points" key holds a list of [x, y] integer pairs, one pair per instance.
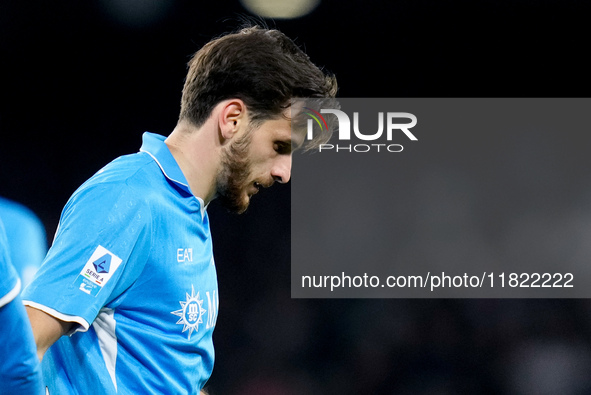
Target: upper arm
{"points": [[46, 329]]}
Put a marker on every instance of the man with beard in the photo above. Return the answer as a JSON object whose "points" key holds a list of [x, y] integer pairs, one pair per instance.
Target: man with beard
{"points": [[130, 277]]}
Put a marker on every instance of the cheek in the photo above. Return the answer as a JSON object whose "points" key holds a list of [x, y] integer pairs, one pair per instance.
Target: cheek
{"points": [[257, 163], [261, 169], [257, 158]]}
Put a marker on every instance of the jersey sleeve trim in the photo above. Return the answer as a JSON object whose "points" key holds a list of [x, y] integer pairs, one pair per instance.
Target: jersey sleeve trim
{"points": [[13, 293], [82, 326]]}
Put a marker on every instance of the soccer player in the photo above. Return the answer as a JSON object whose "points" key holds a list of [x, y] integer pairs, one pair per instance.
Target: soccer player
{"points": [[130, 277], [20, 372]]}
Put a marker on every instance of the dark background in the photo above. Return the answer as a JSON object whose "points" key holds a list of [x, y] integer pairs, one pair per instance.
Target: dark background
{"points": [[81, 81]]}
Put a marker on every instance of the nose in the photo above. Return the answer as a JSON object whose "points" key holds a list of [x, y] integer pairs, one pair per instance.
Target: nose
{"points": [[281, 171]]}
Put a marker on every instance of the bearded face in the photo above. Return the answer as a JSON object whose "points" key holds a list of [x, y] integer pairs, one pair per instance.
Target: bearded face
{"points": [[258, 158], [233, 179]]}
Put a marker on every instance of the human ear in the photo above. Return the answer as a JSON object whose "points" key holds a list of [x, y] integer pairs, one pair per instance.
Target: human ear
{"points": [[231, 116]]}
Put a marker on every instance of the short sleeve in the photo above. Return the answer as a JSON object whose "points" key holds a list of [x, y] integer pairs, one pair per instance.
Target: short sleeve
{"points": [[100, 249]]}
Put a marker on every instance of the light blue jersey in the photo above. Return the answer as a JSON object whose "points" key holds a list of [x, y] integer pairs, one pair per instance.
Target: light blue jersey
{"points": [[26, 236], [132, 265], [19, 366]]}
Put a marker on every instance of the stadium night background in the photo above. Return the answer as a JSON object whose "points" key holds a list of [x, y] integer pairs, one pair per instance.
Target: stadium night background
{"points": [[81, 82]]}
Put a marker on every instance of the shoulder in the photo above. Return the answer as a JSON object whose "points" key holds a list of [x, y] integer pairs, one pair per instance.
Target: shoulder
{"points": [[127, 174], [123, 187], [128, 169], [15, 213]]}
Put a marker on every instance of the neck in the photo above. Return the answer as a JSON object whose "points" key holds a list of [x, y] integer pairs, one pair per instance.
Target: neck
{"points": [[198, 155]]}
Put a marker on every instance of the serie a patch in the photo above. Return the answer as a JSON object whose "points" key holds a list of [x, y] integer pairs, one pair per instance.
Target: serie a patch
{"points": [[97, 271]]}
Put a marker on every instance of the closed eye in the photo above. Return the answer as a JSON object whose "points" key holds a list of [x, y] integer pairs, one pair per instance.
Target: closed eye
{"points": [[282, 147]]}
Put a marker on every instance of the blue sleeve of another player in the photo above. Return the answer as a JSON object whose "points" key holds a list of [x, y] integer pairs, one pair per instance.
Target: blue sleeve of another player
{"points": [[28, 245], [9, 282], [20, 372], [100, 249], [26, 235]]}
